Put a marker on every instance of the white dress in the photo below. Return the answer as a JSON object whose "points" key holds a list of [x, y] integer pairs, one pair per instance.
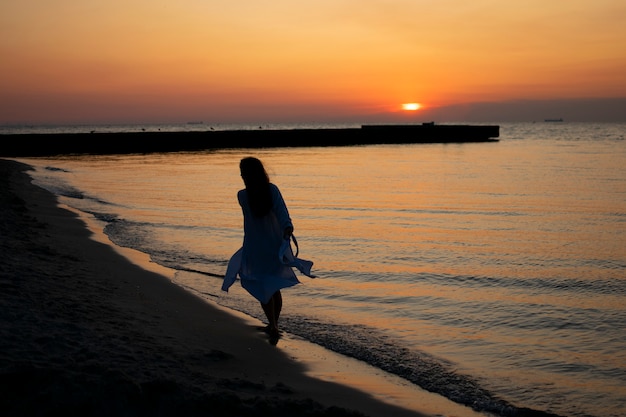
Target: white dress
{"points": [[261, 263]]}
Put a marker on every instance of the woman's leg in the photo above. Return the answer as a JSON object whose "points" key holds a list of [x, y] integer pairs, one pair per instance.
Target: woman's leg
{"points": [[269, 310], [272, 311], [278, 305]]}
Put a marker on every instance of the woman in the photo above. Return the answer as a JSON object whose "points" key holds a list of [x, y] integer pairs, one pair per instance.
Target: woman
{"points": [[264, 263]]}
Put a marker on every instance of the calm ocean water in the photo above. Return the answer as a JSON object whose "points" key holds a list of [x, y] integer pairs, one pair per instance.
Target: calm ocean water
{"points": [[491, 273]]}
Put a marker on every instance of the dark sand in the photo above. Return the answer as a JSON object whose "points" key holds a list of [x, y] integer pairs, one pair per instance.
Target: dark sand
{"points": [[84, 331]]}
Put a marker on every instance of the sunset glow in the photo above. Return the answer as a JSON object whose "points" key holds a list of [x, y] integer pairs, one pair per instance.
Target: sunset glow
{"points": [[321, 61]]}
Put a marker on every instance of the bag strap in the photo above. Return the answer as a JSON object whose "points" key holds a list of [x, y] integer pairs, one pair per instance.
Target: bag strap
{"points": [[295, 242]]}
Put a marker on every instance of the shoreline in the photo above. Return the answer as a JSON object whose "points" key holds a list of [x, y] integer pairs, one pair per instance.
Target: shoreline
{"points": [[87, 330], [94, 143]]}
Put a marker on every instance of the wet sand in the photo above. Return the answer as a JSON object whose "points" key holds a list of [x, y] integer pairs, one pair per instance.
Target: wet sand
{"points": [[89, 329]]}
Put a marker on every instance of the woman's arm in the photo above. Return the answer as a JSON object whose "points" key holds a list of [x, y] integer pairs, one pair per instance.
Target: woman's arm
{"points": [[282, 214]]}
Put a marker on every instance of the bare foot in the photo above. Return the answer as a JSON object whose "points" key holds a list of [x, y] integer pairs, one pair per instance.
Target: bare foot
{"points": [[274, 335]]}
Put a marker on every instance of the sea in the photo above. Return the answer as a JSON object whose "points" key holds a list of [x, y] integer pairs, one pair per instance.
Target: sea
{"points": [[493, 274]]}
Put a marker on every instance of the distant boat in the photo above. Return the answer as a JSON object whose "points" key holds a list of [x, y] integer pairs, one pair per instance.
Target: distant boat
{"points": [[554, 120]]}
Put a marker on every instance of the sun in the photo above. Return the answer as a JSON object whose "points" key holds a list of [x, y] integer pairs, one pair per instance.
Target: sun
{"points": [[411, 106]]}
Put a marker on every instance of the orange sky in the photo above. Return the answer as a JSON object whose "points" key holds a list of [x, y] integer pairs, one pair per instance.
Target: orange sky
{"points": [[221, 60]]}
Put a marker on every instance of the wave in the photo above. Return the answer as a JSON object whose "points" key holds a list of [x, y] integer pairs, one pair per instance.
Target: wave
{"points": [[357, 341]]}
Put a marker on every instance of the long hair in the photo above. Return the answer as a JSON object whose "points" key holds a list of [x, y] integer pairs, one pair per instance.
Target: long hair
{"points": [[257, 185]]}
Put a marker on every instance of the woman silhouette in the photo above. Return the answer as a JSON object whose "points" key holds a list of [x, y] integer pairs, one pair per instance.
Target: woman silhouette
{"points": [[267, 226]]}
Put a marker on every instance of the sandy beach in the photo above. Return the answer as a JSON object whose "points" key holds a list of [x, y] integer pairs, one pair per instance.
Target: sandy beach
{"points": [[85, 331]]}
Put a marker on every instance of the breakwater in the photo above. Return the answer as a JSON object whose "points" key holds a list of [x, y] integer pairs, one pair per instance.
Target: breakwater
{"points": [[33, 145]]}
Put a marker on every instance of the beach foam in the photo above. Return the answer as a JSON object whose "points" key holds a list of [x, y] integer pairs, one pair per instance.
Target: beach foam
{"points": [[86, 331]]}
